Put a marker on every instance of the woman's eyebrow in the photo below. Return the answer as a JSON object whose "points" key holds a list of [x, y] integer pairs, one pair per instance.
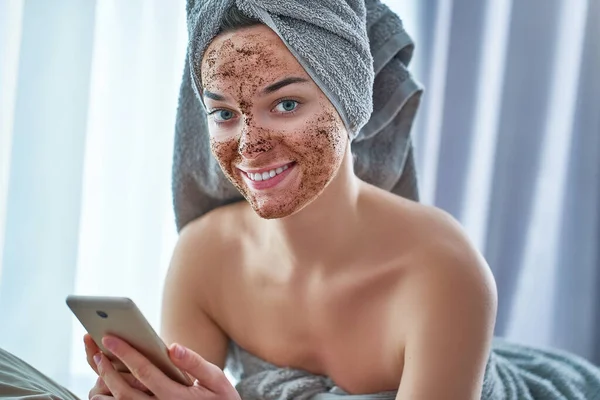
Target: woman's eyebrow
{"points": [[212, 95], [284, 82], [268, 90]]}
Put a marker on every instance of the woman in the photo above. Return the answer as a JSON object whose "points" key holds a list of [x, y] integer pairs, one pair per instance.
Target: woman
{"points": [[318, 284], [317, 270]]}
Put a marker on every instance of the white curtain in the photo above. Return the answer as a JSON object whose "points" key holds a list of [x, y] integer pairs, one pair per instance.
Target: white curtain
{"points": [[88, 95], [508, 141]]}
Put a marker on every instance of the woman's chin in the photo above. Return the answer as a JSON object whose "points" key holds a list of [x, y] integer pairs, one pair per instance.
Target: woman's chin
{"points": [[272, 211], [276, 209]]}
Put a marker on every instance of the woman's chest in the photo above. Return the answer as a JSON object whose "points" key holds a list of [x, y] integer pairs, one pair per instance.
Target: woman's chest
{"points": [[346, 329]]}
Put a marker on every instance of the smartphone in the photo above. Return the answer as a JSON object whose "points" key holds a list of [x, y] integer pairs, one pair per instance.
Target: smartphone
{"points": [[120, 317]]}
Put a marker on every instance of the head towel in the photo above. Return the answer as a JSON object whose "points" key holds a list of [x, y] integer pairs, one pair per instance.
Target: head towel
{"points": [[356, 51]]}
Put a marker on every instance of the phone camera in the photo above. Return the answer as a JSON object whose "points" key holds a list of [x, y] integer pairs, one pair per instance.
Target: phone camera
{"points": [[102, 314]]}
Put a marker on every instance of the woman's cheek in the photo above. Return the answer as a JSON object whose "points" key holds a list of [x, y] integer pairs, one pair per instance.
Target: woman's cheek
{"points": [[326, 144], [224, 151], [320, 148]]}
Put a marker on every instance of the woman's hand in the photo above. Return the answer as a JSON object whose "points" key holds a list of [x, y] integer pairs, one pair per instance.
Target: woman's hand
{"points": [[210, 382], [100, 387]]}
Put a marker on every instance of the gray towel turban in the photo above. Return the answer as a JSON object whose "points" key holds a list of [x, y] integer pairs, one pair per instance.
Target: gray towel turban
{"points": [[356, 51]]}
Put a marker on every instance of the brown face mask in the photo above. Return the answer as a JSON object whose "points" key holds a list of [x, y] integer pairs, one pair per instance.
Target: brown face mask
{"points": [[281, 149]]}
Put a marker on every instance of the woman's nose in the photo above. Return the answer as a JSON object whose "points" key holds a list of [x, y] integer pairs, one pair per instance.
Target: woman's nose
{"points": [[254, 141]]}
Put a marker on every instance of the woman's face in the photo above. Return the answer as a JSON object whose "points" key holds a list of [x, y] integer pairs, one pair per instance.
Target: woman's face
{"points": [[274, 133]]}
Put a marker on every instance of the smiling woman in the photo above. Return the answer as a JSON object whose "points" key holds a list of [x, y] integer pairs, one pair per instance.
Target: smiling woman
{"points": [[306, 143], [310, 286], [314, 249]]}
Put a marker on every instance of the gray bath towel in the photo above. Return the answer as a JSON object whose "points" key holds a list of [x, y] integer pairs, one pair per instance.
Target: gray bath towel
{"points": [[513, 372], [356, 51]]}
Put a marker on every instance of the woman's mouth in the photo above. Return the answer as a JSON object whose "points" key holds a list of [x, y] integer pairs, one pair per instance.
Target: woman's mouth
{"points": [[265, 176], [268, 178]]}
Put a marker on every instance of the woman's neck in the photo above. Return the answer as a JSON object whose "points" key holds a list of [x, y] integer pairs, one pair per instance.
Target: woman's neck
{"points": [[316, 235]]}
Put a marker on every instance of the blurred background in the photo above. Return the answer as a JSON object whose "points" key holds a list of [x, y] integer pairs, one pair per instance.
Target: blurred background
{"points": [[507, 140]]}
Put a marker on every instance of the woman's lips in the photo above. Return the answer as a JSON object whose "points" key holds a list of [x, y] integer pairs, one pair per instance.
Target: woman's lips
{"points": [[268, 178]]}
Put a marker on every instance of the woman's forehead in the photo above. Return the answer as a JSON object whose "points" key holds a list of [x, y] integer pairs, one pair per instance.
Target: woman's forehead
{"points": [[254, 53], [249, 35], [256, 44]]}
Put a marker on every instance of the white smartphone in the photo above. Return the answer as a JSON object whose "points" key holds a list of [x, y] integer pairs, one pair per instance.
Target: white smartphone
{"points": [[119, 316]]}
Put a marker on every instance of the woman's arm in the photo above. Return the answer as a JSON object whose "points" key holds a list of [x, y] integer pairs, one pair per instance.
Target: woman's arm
{"points": [[451, 305], [184, 317]]}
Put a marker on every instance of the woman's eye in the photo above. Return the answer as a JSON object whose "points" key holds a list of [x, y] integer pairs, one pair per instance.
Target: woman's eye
{"points": [[222, 115], [288, 105]]}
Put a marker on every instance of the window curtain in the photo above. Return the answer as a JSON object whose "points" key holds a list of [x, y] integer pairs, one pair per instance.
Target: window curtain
{"points": [[508, 141], [89, 94]]}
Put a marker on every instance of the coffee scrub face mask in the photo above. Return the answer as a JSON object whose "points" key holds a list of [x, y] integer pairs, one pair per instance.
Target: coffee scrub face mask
{"points": [[275, 134]]}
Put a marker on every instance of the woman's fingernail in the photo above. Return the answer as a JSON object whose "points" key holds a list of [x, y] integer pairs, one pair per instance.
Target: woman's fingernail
{"points": [[179, 351], [97, 358]]}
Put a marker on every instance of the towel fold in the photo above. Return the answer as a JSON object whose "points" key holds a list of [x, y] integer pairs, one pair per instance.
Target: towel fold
{"points": [[513, 372], [20, 381], [356, 51]]}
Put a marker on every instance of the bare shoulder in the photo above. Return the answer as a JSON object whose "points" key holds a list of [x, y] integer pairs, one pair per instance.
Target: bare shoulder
{"points": [[432, 237], [448, 267], [213, 238], [213, 246], [448, 254], [220, 225], [441, 264], [447, 304], [206, 247]]}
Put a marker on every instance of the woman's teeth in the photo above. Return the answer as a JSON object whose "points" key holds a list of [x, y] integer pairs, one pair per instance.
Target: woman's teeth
{"points": [[267, 175]]}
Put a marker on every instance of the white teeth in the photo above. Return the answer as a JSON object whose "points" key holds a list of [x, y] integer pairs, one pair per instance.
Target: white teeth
{"points": [[267, 175]]}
